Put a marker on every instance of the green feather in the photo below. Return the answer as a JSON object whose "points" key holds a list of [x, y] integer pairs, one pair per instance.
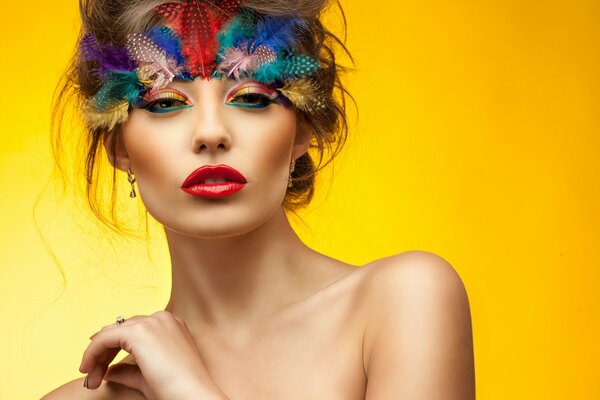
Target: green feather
{"points": [[270, 72], [289, 68], [238, 30], [116, 87]]}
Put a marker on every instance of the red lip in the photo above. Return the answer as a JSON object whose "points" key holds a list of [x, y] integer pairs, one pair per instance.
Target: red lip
{"points": [[194, 185]]}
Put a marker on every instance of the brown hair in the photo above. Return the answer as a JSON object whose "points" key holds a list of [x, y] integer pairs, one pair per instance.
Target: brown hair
{"points": [[112, 20]]}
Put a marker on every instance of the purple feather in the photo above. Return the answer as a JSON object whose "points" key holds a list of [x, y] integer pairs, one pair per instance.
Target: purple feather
{"points": [[115, 59], [89, 48], [110, 57]]}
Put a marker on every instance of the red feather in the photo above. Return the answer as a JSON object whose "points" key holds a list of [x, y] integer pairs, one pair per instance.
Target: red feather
{"points": [[197, 23]]}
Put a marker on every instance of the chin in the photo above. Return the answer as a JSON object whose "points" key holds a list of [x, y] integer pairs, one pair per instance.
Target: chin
{"points": [[212, 230], [214, 218], [219, 222]]}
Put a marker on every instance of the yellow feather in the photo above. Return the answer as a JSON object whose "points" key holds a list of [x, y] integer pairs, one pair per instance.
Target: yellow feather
{"points": [[108, 119], [303, 94]]}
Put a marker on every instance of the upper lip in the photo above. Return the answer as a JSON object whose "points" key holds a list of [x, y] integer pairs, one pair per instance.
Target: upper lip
{"points": [[213, 172]]}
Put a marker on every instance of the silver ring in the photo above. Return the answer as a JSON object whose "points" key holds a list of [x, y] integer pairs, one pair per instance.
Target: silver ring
{"points": [[120, 320]]}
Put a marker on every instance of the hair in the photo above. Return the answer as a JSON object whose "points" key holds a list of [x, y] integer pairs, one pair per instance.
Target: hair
{"points": [[112, 20]]}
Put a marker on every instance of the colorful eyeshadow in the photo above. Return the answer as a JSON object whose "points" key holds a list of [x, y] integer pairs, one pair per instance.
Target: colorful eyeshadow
{"points": [[246, 91], [156, 97]]}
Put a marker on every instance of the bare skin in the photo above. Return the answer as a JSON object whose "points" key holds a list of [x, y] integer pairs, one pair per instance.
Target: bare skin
{"points": [[270, 317], [321, 346]]}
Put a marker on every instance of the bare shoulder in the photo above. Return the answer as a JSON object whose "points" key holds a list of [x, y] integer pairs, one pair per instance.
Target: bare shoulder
{"points": [[106, 391], [414, 264], [415, 276], [418, 338]]}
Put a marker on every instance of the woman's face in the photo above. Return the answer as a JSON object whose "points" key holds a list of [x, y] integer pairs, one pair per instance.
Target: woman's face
{"points": [[191, 124]]}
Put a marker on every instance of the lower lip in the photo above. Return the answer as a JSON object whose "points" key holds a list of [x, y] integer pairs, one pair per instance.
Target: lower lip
{"points": [[214, 189]]}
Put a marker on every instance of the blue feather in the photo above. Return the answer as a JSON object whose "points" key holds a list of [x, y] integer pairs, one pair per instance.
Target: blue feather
{"points": [[167, 40], [278, 33]]}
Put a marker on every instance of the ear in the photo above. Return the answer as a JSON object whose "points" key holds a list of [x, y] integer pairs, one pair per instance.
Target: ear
{"points": [[116, 151], [302, 140]]}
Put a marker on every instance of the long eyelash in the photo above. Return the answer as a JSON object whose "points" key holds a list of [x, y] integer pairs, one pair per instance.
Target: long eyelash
{"points": [[252, 89], [164, 94]]}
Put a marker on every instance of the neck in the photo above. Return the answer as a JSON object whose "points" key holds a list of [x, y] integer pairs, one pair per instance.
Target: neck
{"points": [[240, 280]]}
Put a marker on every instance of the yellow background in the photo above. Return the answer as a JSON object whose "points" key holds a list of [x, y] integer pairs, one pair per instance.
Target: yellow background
{"points": [[477, 139]]}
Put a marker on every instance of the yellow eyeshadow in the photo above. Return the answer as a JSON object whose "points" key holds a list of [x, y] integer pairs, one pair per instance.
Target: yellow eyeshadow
{"points": [[252, 89], [165, 94]]}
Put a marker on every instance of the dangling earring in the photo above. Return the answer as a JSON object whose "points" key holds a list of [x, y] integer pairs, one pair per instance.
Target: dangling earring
{"points": [[292, 165], [131, 180]]}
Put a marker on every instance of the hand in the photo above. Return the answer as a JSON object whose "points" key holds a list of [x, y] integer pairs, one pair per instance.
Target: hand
{"points": [[168, 362]]}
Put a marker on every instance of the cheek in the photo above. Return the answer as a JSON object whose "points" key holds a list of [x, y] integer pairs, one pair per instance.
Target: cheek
{"points": [[152, 146], [268, 142]]}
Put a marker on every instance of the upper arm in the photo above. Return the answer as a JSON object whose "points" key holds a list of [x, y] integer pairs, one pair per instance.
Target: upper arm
{"points": [[418, 339], [106, 391]]}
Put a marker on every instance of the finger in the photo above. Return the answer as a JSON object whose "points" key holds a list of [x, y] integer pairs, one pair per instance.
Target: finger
{"points": [[128, 375], [128, 321], [104, 347], [94, 377], [98, 370]]}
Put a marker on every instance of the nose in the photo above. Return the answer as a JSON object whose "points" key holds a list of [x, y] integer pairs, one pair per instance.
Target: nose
{"points": [[211, 133]]}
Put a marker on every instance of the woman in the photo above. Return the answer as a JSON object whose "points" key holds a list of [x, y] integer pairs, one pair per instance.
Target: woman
{"points": [[210, 107]]}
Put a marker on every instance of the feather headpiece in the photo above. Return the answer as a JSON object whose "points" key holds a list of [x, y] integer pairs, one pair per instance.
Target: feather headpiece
{"points": [[197, 24], [264, 49], [109, 57], [153, 63], [304, 94], [217, 38]]}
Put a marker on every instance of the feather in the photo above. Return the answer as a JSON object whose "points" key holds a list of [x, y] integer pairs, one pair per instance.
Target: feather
{"points": [[109, 57], [197, 23], [304, 94], [116, 114], [239, 62], [240, 30], [269, 72], [279, 33], [300, 66], [89, 48], [115, 59], [118, 86], [167, 40], [257, 48], [289, 67], [152, 60], [232, 56], [155, 78]]}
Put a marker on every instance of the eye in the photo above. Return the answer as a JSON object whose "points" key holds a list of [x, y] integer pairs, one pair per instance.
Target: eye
{"points": [[252, 96], [165, 101]]}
